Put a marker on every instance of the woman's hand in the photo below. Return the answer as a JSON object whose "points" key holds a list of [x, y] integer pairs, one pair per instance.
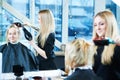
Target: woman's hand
{"points": [[27, 24], [32, 26], [117, 40], [38, 49]]}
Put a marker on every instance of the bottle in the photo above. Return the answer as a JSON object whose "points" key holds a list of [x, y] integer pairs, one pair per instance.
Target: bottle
{"points": [[18, 71]]}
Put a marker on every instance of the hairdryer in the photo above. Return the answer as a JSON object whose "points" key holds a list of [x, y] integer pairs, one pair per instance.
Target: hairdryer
{"points": [[27, 34], [103, 42]]}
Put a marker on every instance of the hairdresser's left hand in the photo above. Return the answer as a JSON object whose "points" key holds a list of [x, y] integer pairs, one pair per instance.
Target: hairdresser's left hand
{"points": [[117, 40]]}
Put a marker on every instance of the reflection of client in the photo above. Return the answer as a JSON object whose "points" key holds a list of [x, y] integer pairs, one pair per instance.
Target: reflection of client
{"points": [[15, 53], [78, 58]]}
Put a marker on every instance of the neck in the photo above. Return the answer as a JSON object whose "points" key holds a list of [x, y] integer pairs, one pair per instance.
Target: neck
{"points": [[14, 42], [100, 38]]}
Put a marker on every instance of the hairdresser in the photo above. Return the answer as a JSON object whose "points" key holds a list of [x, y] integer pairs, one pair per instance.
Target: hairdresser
{"points": [[107, 57], [45, 40]]}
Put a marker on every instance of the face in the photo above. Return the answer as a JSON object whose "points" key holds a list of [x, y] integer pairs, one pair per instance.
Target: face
{"points": [[100, 26], [13, 35]]}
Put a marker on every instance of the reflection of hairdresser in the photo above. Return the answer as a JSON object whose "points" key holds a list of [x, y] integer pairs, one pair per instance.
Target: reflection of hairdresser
{"points": [[78, 57], [45, 40], [15, 53], [107, 58]]}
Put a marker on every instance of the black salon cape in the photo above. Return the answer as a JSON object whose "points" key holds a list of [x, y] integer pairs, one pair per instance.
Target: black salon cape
{"points": [[17, 54], [83, 74]]}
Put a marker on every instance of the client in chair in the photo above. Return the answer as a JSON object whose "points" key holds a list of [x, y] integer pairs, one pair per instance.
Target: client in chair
{"points": [[78, 61], [15, 53]]}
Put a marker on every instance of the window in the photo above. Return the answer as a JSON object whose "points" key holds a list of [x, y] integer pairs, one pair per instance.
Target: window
{"points": [[80, 19]]}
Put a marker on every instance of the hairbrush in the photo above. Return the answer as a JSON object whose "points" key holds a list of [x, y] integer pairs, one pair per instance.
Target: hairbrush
{"points": [[103, 42]]}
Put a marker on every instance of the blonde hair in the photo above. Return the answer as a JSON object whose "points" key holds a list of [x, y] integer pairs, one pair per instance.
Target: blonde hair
{"points": [[78, 53], [12, 26], [111, 32], [47, 25]]}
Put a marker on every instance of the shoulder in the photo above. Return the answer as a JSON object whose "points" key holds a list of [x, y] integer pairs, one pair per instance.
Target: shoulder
{"points": [[117, 50], [24, 48], [3, 47], [82, 74], [51, 35], [116, 55], [22, 45]]}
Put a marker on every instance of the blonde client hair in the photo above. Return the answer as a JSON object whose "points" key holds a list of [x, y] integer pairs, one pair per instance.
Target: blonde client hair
{"points": [[78, 53]]}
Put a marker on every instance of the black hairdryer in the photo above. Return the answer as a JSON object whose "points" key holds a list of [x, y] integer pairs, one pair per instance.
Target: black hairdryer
{"points": [[27, 34], [103, 42]]}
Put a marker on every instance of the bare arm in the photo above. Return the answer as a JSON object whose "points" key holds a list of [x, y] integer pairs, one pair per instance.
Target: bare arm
{"points": [[30, 25], [39, 50], [36, 28]]}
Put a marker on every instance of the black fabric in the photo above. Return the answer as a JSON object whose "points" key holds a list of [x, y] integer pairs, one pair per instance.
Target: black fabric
{"points": [[83, 74], [98, 58], [47, 64], [17, 54], [27, 34], [111, 71]]}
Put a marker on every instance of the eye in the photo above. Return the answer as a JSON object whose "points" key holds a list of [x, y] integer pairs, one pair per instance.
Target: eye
{"points": [[9, 33], [38, 18], [101, 23], [95, 25]]}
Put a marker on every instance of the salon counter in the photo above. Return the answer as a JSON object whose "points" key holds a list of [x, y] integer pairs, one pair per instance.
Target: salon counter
{"points": [[46, 75]]}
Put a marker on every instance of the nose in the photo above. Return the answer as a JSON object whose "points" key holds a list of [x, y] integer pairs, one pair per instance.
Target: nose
{"points": [[98, 26], [12, 36]]}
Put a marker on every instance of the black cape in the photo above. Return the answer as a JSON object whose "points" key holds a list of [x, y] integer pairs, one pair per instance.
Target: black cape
{"points": [[83, 74], [17, 54]]}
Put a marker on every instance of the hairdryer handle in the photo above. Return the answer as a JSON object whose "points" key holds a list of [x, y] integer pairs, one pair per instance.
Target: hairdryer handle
{"points": [[27, 34]]}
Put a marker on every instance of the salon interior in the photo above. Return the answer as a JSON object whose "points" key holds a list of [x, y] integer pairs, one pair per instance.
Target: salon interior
{"points": [[73, 19]]}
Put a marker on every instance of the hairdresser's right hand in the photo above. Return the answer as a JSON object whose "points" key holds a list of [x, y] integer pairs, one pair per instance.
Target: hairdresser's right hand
{"points": [[32, 26], [31, 42], [27, 24]]}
